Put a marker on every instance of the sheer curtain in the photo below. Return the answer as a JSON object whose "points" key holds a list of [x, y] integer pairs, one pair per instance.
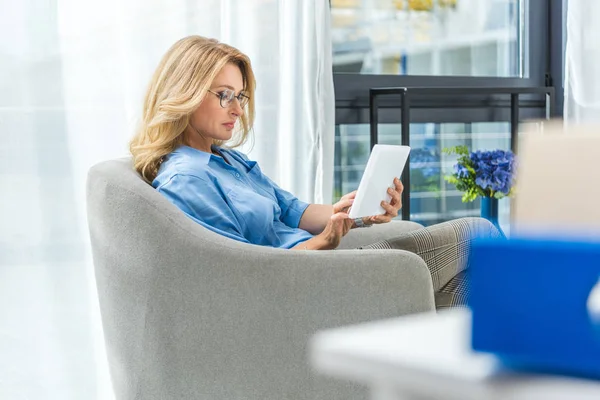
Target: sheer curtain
{"points": [[582, 65], [72, 77]]}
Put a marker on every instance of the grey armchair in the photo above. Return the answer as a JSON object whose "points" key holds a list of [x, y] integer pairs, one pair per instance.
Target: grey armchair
{"points": [[188, 314]]}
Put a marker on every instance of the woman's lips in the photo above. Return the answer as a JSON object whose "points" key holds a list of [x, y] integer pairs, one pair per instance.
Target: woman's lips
{"points": [[229, 125]]}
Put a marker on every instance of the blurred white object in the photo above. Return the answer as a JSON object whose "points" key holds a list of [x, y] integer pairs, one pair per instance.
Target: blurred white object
{"points": [[429, 356], [582, 62], [593, 304], [557, 182]]}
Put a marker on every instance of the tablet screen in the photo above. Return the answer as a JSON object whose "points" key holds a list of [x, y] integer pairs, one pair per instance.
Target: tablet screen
{"points": [[386, 162]]}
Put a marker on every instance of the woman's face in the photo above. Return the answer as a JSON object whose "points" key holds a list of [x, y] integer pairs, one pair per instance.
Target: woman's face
{"points": [[211, 121]]}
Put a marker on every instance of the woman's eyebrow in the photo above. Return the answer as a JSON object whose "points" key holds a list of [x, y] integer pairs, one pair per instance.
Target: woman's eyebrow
{"points": [[228, 87]]}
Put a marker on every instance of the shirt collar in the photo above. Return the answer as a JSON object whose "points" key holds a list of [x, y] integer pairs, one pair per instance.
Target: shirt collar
{"points": [[239, 158], [198, 155], [205, 157]]}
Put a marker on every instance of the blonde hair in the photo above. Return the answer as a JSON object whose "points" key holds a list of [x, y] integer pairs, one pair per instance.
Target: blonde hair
{"points": [[177, 88]]}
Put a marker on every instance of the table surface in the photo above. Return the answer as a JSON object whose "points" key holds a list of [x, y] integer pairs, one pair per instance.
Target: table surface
{"points": [[429, 355]]}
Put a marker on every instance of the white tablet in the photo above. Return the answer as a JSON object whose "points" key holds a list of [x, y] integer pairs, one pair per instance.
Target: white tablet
{"points": [[386, 162]]}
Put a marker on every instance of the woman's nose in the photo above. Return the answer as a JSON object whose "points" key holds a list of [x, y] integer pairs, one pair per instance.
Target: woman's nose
{"points": [[236, 108]]}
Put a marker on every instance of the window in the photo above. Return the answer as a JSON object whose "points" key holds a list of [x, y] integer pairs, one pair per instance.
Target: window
{"points": [[443, 37], [437, 43]]}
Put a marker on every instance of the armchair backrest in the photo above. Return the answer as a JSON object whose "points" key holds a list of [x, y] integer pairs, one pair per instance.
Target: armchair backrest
{"points": [[141, 245], [189, 314]]}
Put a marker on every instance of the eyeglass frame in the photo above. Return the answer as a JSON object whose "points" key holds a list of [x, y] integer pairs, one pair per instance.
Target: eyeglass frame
{"points": [[240, 95]]}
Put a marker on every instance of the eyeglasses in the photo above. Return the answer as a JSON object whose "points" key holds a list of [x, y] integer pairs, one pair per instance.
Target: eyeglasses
{"points": [[226, 96]]}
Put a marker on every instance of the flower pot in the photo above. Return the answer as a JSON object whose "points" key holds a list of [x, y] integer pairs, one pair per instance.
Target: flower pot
{"points": [[489, 211]]}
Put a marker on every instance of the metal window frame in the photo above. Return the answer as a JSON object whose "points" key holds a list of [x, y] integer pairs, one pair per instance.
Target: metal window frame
{"points": [[544, 64], [408, 94]]}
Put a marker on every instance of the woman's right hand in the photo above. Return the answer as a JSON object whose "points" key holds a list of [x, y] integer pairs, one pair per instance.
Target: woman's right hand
{"points": [[337, 227]]}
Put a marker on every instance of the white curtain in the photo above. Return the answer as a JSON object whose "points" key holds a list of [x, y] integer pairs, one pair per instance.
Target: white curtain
{"points": [[72, 78], [582, 62]]}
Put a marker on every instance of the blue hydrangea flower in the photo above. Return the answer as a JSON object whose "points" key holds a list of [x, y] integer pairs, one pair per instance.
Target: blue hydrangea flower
{"points": [[494, 170], [461, 171], [482, 173]]}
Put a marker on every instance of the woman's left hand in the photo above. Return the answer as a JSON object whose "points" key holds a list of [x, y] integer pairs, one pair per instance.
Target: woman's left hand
{"points": [[345, 203], [391, 208]]}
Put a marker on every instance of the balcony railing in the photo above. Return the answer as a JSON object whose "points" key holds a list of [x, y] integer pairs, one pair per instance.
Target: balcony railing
{"points": [[408, 94]]}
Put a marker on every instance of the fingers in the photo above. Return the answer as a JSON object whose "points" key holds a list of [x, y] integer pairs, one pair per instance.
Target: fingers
{"points": [[377, 219], [380, 219], [396, 194], [390, 209], [347, 225], [396, 199], [336, 228], [350, 195], [398, 184], [338, 218], [339, 223], [343, 205]]}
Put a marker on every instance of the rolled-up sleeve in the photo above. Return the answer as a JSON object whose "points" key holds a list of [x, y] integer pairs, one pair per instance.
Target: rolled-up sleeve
{"points": [[292, 208]]}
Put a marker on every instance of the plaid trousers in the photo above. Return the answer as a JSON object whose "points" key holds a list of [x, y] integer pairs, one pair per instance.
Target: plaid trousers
{"points": [[445, 249]]}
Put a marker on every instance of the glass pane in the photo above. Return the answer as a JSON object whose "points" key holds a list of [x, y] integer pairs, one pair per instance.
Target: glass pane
{"points": [[432, 199], [428, 37]]}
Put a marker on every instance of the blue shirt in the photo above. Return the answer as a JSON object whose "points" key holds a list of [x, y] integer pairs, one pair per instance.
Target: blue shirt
{"points": [[235, 200]]}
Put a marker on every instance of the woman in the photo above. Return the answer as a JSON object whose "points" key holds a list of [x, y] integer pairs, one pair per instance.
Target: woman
{"points": [[201, 97]]}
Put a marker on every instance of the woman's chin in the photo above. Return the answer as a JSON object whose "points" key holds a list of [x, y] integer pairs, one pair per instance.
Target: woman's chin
{"points": [[223, 135], [226, 136]]}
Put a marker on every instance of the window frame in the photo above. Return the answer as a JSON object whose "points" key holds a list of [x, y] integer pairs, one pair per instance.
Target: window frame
{"points": [[543, 64], [544, 60]]}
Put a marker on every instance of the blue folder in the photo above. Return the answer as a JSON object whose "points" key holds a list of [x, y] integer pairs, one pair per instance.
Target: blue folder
{"points": [[529, 304]]}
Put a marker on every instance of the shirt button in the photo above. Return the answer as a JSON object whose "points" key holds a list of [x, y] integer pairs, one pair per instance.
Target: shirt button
{"points": [[237, 175]]}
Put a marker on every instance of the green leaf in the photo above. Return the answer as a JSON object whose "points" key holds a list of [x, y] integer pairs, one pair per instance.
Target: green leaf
{"points": [[451, 179], [469, 196], [459, 150]]}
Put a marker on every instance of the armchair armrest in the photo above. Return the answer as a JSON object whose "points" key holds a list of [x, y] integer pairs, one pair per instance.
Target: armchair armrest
{"points": [[243, 325], [231, 320]]}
